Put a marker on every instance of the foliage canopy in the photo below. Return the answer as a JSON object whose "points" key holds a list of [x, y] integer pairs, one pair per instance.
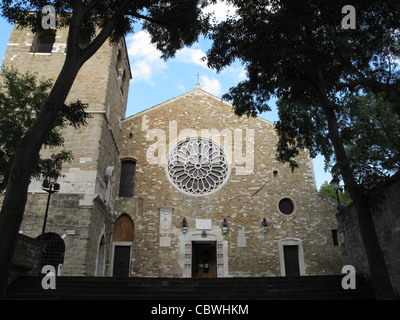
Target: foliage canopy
{"points": [[21, 98], [172, 24], [298, 51]]}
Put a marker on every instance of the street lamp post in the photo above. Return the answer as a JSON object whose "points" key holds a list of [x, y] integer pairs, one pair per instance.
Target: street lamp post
{"points": [[335, 183], [50, 188]]}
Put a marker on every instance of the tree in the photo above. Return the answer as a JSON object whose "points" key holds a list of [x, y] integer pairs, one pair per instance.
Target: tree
{"points": [[172, 25], [327, 190], [369, 129], [21, 97], [298, 51]]}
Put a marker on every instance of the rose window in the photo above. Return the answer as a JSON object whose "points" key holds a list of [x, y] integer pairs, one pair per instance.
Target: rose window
{"points": [[197, 166]]}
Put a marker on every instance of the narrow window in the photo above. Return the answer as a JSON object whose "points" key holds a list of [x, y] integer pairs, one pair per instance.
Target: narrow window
{"points": [[335, 237], [44, 43], [124, 82], [127, 180], [119, 62]]}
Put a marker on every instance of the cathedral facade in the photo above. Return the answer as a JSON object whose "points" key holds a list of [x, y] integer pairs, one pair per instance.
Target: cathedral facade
{"points": [[208, 198], [183, 189]]}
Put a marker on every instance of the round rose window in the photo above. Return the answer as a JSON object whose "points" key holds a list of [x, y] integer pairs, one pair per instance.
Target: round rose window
{"points": [[197, 166]]}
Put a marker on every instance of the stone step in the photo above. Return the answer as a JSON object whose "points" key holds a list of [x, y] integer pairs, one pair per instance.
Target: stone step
{"points": [[312, 287]]}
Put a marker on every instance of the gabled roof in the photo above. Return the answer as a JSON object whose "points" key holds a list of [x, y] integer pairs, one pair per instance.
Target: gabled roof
{"points": [[196, 90]]}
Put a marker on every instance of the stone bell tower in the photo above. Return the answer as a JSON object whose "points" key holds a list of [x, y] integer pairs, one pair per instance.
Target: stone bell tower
{"points": [[81, 215]]}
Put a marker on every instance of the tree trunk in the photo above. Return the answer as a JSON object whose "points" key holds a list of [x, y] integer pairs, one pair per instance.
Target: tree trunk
{"points": [[378, 271], [27, 152], [379, 274], [25, 159]]}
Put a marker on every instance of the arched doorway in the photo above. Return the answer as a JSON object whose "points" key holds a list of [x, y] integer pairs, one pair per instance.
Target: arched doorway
{"points": [[101, 256], [53, 251], [122, 246]]}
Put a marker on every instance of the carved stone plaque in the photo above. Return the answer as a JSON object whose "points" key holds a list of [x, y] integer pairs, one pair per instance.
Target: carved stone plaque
{"points": [[166, 220], [203, 224]]}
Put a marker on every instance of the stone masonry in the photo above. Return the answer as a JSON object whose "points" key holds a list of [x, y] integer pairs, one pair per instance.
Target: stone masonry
{"points": [[386, 216], [97, 225], [82, 213], [253, 191]]}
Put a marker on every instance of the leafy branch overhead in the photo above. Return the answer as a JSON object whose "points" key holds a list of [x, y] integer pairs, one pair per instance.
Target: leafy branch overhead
{"points": [[172, 24], [21, 98], [338, 91], [298, 52]]}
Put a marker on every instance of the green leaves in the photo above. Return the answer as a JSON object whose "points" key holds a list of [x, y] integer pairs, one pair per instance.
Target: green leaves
{"points": [[371, 134], [21, 99], [326, 189], [297, 51], [172, 24]]}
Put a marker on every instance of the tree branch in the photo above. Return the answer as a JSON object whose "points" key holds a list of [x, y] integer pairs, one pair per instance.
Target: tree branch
{"points": [[74, 29], [149, 19], [105, 33], [376, 85], [91, 5]]}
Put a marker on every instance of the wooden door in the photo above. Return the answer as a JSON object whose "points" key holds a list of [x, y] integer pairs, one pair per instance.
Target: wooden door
{"points": [[204, 260], [291, 256], [122, 259]]}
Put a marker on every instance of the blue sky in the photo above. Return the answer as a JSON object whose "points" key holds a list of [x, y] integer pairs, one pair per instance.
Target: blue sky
{"points": [[155, 80]]}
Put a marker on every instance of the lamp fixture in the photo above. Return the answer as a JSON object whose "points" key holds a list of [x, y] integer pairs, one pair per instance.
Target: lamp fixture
{"points": [[335, 183], [264, 224], [225, 226], [184, 226]]}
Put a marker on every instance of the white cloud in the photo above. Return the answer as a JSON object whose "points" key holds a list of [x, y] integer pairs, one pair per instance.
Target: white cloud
{"points": [[189, 55], [237, 73], [220, 11], [145, 58], [210, 85]]}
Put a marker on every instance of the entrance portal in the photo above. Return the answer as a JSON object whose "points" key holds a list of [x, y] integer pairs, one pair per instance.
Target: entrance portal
{"points": [[204, 259], [291, 254], [122, 256], [122, 241]]}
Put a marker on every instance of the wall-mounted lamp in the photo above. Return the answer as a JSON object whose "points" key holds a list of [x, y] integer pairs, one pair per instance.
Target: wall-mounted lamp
{"points": [[264, 224], [184, 225], [225, 226]]}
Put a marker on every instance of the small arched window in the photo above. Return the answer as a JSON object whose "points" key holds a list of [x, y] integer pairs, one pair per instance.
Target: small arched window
{"points": [[44, 43]]}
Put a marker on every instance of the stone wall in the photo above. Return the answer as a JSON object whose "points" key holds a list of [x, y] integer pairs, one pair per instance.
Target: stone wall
{"points": [[27, 258], [386, 216], [82, 212], [253, 191]]}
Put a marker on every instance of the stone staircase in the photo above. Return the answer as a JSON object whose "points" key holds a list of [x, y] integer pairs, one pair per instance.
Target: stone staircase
{"points": [[274, 288]]}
